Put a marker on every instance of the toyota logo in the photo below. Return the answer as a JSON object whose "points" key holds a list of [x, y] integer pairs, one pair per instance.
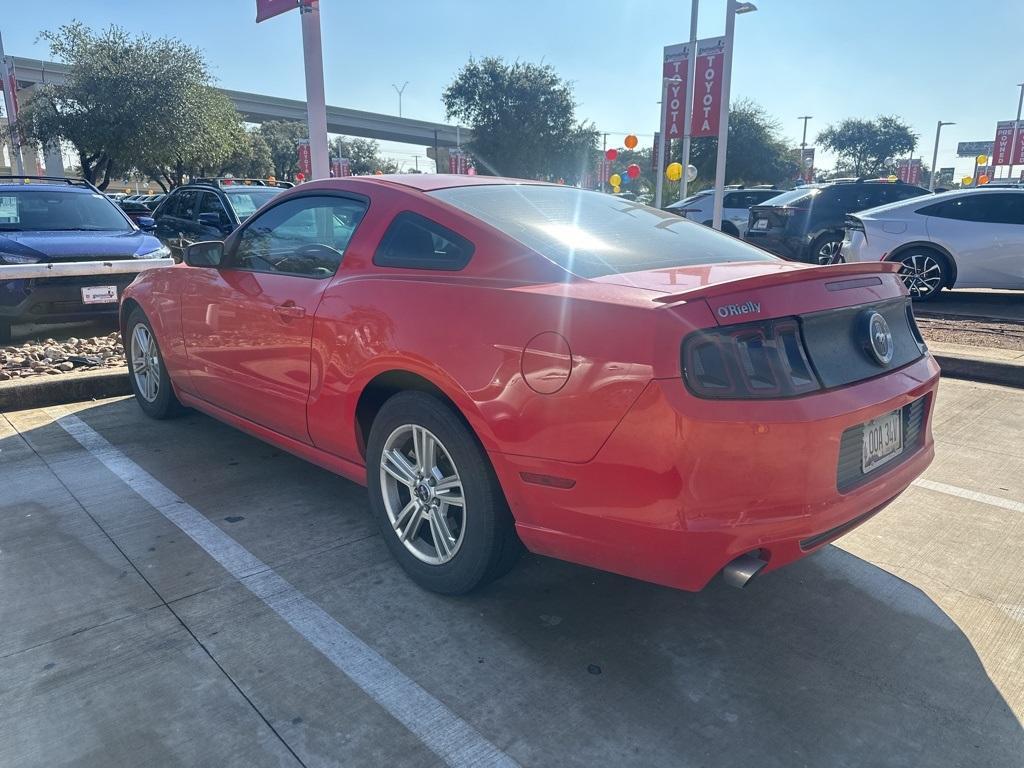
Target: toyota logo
{"points": [[879, 339]]}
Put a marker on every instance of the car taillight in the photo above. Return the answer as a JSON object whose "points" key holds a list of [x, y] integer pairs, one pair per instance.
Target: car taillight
{"points": [[853, 224], [754, 360]]}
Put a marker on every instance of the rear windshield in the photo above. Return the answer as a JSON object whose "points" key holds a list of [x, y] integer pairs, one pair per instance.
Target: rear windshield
{"points": [[591, 234], [43, 210], [246, 201], [794, 197]]}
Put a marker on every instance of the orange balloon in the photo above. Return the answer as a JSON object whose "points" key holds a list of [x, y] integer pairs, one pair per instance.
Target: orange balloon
{"points": [[630, 141], [983, 179]]}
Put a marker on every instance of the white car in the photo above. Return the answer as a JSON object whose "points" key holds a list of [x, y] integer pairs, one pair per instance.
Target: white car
{"points": [[967, 238], [736, 205]]}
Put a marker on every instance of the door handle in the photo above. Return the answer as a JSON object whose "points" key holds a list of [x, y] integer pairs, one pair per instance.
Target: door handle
{"points": [[290, 311]]}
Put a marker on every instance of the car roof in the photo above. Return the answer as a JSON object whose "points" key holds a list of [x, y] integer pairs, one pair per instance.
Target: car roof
{"points": [[428, 182], [9, 185]]}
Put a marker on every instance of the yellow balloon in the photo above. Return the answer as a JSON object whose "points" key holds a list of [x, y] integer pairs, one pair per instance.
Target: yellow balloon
{"points": [[966, 181], [615, 189], [982, 159], [894, 177], [615, 180], [674, 172]]}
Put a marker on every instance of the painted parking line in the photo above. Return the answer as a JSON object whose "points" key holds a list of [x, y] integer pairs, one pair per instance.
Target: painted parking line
{"points": [[442, 731], [964, 493]]}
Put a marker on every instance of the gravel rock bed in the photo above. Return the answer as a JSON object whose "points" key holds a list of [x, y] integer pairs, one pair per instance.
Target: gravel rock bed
{"points": [[50, 357], [973, 333]]}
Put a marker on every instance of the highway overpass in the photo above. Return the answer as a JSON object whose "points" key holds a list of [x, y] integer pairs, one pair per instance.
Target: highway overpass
{"points": [[257, 108]]}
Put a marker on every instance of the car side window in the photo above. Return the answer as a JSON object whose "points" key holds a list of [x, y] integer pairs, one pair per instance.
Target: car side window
{"points": [[415, 242], [304, 236], [186, 207], [211, 204], [733, 200], [169, 205], [977, 208]]}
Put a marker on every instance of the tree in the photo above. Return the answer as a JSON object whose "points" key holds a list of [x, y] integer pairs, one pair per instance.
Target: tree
{"points": [[130, 102], [869, 147], [283, 137], [523, 120], [250, 158], [364, 156], [755, 154]]}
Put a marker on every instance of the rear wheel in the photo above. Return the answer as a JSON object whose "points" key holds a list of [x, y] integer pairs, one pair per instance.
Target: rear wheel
{"points": [[146, 370], [826, 249], [435, 497], [923, 271]]}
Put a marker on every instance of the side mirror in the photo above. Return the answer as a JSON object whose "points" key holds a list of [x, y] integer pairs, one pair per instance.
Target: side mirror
{"points": [[146, 223], [209, 253]]}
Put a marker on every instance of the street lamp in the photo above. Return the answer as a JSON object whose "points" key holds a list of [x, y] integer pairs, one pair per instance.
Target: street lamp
{"points": [[935, 156], [733, 10], [803, 146], [399, 92]]}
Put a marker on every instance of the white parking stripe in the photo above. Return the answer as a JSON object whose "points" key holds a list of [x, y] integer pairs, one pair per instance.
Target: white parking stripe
{"points": [[442, 731], [964, 493]]}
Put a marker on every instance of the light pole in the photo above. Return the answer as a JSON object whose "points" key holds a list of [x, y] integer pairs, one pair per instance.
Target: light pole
{"points": [[399, 91], [316, 107], [803, 146], [691, 67], [935, 155], [1016, 131], [733, 9]]}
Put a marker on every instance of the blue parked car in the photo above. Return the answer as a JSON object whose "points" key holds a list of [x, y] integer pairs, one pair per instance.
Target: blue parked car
{"points": [[51, 220]]}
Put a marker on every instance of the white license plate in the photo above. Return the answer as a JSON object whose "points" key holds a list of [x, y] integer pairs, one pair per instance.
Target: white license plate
{"points": [[883, 440], [760, 224], [99, 294]]}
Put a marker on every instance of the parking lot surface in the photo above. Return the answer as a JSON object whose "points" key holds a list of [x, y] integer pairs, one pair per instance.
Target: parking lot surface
{"points": [[180, 594]]}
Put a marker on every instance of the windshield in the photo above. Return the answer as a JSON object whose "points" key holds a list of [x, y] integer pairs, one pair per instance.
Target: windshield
{"points": [[794, 197], [45, 210], [590, 234], [246, 201]]}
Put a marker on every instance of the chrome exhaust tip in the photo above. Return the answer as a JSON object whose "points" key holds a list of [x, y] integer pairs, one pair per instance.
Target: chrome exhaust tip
{"points": [[740, 571]]}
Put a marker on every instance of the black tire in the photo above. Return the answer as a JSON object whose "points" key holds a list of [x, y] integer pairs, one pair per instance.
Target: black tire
{"points": [[925, 272], [825, 249], [488, 546], [164, 404]]}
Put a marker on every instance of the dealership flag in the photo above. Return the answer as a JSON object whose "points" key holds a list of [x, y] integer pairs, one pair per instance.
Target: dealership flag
{"points": [[673, 71], [1002, 151], [268, 9], [707, 87]]}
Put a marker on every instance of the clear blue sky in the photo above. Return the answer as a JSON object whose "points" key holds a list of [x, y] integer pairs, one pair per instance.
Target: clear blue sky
{"points": [[924, 60]]}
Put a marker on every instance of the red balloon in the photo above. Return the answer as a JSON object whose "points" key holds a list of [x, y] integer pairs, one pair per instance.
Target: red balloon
{"points": [[611, 154], [633, 171]]}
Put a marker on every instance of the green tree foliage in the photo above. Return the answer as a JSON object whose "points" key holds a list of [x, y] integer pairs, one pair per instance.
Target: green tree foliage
{"points": [[523, 120], [132, 102], [364, 155], [251, 158], [282, 138], [869, 147], [755, 155]]}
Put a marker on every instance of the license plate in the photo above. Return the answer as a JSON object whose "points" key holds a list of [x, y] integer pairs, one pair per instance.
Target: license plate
{"points": [[99, 294], [883, 440], [760, 224]]}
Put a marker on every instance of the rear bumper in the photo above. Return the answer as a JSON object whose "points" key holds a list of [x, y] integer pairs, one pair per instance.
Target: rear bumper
{"points": [[683, 486], [56, 299], [791, 248]]}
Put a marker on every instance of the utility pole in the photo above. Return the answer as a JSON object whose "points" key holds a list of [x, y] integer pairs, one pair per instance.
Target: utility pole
{"points": [[1016, 129], [604, 148], [935, 155], [400, 91], [803, 146], [316, 104], [691, 66]]}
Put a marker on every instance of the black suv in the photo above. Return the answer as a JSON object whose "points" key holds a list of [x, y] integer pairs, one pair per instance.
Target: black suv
{"points": [[209, 209], [807, 223]]}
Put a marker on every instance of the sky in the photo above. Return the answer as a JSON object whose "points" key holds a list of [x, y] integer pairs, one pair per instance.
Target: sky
{"points": [[923, 60]]}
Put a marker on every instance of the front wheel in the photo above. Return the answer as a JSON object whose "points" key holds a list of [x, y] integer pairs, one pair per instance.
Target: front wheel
{"points": [[146, 370], [923, 272], [435, 497]]}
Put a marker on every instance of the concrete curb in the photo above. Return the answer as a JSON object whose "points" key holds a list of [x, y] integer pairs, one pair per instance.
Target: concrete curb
{"points": [[43, 390], [1002, 372]]}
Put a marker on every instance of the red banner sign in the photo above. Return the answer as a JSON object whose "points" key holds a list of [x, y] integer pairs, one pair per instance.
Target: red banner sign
{"points": [[909, 174], [305, 159], [673, 72], [1003, 153], [268, 9], [707, 89], [458, 162]]}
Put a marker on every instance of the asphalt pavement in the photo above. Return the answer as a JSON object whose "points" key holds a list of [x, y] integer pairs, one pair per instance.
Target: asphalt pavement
{"points": [[179, 594]]}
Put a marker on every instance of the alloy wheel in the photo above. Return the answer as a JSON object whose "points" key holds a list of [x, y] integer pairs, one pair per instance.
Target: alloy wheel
{"points": [[829, 253], [145, 363], [423, 494], [922, 274]]}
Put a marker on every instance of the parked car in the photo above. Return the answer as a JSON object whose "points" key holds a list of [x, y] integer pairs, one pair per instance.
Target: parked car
{"points": [[508, 363], [53, 220], [152, 201], [736, 204], [138, 212], [968, 238], [807, 223], [208, 209]]}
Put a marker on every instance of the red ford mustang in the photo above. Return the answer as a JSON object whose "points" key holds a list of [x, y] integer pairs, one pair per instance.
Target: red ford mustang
{"points": [[513, 363]]}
